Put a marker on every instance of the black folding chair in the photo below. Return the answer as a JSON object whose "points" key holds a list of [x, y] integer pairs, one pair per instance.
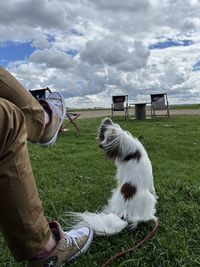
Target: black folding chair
{"points": [[120, 103], [159, 102], [40, 93]]}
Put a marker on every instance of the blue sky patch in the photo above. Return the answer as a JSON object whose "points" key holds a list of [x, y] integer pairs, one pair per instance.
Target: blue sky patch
{"points": [[170, 43], [50, 38], [10, 51], [196, 67], [72, 52]]}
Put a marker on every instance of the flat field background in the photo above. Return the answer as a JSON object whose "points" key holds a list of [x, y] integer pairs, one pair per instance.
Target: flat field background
{"points": [[75, 175]]}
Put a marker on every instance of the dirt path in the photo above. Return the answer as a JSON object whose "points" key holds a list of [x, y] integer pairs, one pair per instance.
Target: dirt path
{"points": [[104, 113]]}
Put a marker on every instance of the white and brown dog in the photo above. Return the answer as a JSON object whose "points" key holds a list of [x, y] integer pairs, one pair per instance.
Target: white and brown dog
{"points": [[134, 199]]}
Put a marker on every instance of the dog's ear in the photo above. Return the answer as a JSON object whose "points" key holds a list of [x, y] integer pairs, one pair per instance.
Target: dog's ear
{"points": [[106, 121]]}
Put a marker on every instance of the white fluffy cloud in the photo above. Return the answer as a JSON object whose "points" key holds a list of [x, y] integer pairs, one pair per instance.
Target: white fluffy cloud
{"points": [[52, 58], [115, 53], [92, 49]]}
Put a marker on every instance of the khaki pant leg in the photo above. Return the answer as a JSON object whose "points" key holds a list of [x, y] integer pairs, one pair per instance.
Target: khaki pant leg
{"points": [[22, 220], [13, 91]]}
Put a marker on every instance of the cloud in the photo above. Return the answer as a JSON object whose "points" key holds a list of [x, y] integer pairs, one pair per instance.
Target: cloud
{"points": [[115, 53], [90, 50], [41, 42], [127, 6], [52, 58], [45, 14]]}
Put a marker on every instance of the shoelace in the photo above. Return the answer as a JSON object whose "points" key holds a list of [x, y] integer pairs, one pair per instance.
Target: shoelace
{"points": [[72, 236], [56, 106]]}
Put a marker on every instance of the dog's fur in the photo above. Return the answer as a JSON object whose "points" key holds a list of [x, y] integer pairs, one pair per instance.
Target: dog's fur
{"points": [[134, 199]]}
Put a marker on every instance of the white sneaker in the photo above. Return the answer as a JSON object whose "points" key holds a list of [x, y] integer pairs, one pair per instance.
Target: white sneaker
{"points": [[55, 106], [69, 246], [81, 238]]}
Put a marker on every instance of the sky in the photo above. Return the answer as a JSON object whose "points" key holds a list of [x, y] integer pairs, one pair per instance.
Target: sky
{"points": [[90, 50]]}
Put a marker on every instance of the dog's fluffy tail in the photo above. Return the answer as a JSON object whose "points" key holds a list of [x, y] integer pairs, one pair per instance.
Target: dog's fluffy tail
{"points": [[101, 223]]}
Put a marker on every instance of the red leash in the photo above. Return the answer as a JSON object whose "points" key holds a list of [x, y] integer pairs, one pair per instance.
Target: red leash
{"points": [[121, 254]]}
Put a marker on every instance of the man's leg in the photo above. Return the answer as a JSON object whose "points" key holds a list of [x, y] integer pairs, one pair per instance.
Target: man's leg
{"points": [[22, 221], [13, 91], [44, 118]]}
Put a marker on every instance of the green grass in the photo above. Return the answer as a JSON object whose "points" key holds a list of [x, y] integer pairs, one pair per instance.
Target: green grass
{"points": [[185, 106], [74, 175]]}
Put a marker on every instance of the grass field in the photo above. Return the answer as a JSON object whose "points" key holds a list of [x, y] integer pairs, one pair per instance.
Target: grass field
{"points": [[185, 106], [74, 175]]}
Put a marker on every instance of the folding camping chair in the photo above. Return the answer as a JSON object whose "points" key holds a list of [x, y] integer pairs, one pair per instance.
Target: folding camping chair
{"points": [[120, 103], [40, 93], [71, 120], [159, 102]]}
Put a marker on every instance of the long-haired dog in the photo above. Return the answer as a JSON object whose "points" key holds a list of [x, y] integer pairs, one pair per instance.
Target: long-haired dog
{"points": [[134, 199]]}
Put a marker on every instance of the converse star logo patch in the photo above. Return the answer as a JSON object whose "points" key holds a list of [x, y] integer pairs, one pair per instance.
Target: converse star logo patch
{"points": [[51, 262]]}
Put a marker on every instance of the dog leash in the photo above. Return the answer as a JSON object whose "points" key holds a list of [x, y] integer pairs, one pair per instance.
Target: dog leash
{"points": [[121, 254]]}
